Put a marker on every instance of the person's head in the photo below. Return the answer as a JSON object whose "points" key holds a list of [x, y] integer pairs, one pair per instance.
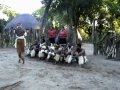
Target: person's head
{"points": [[19, 25], [36, 42], [62, 28], [51, 28], [79, 45]]}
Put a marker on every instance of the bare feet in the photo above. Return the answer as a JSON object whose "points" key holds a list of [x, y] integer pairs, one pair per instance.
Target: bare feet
{"points": [[19, 61], [23, 60]]}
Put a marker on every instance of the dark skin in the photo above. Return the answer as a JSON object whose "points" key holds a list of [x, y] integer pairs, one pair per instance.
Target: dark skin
{"points": [[80, 53], [19, 31]]}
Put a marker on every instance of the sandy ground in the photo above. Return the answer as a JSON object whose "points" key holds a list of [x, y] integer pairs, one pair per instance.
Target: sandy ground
{"points": [[98, 74]]}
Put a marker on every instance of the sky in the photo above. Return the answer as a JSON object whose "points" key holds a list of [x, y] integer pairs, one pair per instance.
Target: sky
{"points": [[23, 6]]}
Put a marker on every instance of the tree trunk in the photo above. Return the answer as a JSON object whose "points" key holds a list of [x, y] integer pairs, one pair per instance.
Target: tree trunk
{"points": [[44, 19], [74, 40], [70, 34], [95, 51], [117, 49]]}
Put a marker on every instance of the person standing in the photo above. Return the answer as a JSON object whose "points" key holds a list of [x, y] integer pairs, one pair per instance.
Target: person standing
{"points": [[63, 36], [20, 42], [51, 35]]}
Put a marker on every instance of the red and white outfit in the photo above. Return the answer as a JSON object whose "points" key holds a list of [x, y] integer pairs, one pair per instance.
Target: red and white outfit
{"points": [[51, 35], [62, 36]]}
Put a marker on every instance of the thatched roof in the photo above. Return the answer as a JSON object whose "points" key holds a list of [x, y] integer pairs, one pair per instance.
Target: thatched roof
{"points": [[27, 21]]}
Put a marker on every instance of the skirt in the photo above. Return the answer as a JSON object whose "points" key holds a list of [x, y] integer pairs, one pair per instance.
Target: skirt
{"points": [[52, 40], [62, 41], [20, 46]]}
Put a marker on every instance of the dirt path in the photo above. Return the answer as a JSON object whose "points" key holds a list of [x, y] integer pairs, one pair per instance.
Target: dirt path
{"points": [[98, 74]]}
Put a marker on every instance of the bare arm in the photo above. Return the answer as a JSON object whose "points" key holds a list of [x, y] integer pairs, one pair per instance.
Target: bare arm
{"points": [[81, 53], [74, 50]]}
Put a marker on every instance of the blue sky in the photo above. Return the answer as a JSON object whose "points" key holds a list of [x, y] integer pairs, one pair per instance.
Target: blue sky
{"points": [[23, 6]]}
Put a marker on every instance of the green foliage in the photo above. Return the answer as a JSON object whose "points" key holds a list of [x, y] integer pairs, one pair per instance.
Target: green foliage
{"points": [[81, 13], [2, 24], [84, 35], [39, 13], [117, 25], [10, 13]]}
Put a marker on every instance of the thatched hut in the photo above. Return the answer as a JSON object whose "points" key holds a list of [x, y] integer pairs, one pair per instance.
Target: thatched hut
{"points": [[29, 22]]}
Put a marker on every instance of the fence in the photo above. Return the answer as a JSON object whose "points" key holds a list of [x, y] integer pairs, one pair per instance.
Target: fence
{"points": [[7, 38], [110, 46]]}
